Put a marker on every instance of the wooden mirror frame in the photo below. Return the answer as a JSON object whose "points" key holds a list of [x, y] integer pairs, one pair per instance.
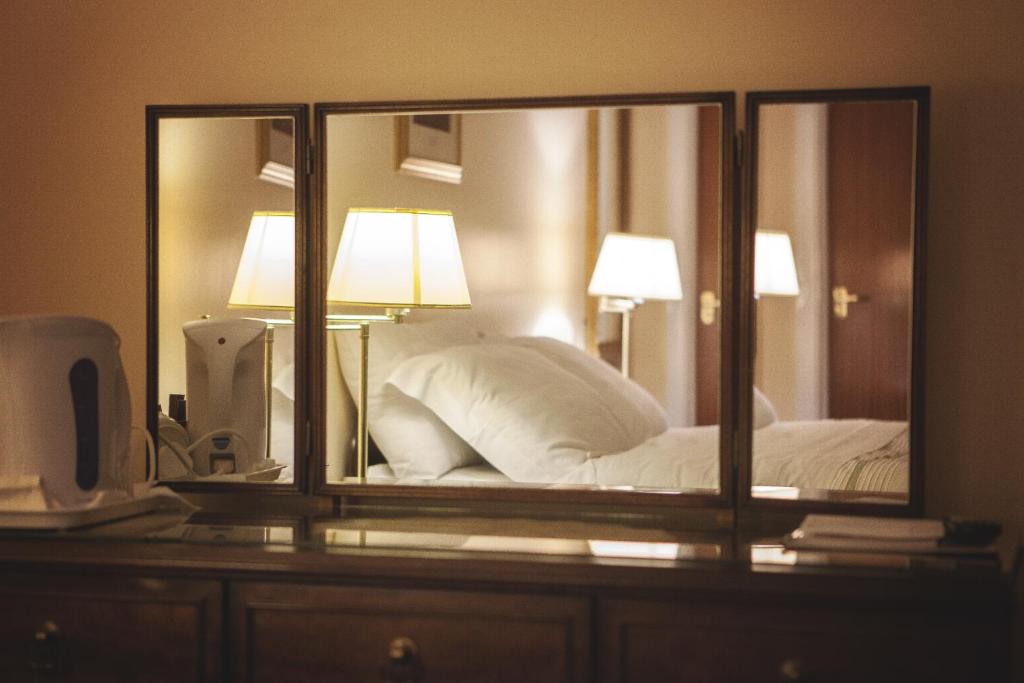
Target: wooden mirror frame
{"points": [[915, 504], [635, 501], [299, 113]]}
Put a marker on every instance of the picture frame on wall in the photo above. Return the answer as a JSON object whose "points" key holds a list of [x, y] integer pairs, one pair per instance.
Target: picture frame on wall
{"points": [[275, 144], [429, 146]]}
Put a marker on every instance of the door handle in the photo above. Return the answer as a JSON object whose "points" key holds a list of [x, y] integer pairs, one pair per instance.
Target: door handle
{"points": [[708, 303], [841, 300]]}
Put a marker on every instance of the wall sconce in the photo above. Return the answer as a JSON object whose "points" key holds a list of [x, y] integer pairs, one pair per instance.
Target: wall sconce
{"points": [[774, 265], [774, 270], [630, 269]]}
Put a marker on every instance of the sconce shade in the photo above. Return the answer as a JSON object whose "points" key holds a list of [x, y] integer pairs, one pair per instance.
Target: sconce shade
{"points": [[632, 266], [774, 267], [266, 271], [399, 258]]}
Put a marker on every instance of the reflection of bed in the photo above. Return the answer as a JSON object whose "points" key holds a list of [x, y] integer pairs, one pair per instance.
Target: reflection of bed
{"points": [[470, 474], [451, 408], [848, 455], [861, 455], [853, 455]]}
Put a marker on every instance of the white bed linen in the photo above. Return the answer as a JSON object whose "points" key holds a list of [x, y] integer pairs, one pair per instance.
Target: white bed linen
{"points": [[817, 454], [681, 457], [824, 454], [519, 409], [382, 473], [863, 455]]}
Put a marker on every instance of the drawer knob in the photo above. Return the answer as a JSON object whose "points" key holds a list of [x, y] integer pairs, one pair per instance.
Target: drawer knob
{"points": [[47, 648], [403, 661], [793, 671]]}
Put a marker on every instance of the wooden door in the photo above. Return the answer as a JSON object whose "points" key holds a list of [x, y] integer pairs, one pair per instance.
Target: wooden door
{"points": [[709, 230], [871, 195]]}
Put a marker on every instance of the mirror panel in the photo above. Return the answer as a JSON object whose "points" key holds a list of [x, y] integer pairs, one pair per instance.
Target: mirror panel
{"points": [[523, 392], [223, 354], [837, 188]]}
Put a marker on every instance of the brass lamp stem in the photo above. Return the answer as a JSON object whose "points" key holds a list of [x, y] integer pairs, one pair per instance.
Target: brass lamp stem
{"points": [[268, 383], [362, 440], [625, 342]]}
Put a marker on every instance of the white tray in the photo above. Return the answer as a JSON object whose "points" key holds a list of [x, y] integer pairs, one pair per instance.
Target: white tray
{"points": [[264, 475], [70, 519]]}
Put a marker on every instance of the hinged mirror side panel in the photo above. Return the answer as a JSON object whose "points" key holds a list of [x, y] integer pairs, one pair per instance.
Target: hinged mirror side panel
{"points": [[834, 321], [227, 317]]}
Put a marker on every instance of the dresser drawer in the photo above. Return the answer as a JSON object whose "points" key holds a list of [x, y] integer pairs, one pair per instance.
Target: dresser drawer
{"points": [[643, 641], [108, 628], [331, 633]]}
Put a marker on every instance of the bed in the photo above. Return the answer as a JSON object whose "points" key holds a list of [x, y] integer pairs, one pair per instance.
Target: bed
{"points": [[851, 455], [451, 406]]}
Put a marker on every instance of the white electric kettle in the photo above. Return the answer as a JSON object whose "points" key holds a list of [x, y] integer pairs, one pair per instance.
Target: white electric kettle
{"points": [[65, 411]]}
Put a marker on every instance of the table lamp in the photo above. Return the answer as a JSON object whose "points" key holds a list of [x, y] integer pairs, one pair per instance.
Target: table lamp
{"points": [[396, 259], [266, 280], [631, 269]]}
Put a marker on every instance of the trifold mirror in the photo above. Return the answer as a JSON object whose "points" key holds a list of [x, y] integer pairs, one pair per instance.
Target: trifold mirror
{"points": [[835, 237], [226, 321], [543, 301]]}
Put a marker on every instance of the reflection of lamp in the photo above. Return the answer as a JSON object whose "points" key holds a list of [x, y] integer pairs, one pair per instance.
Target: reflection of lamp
{"points": [[396, 259], [266, 279], [774, 269], [631, 269], [774, 266]]}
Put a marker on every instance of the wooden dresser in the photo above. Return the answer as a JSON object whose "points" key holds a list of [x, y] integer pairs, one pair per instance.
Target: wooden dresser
{"points": [[339, 600]]}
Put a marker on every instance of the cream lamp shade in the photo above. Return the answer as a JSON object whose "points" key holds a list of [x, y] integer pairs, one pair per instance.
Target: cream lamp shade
{"points": [[399, 258], [266, 271], [632, 266], [774, 267]]}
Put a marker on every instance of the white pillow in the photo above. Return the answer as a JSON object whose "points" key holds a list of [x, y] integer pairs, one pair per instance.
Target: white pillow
{"points": [[764, 411], [414, 441], [640, 412], [531, 419]]}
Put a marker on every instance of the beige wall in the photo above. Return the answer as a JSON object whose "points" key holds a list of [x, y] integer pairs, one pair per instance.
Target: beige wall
{"points": [[77, 75]]}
